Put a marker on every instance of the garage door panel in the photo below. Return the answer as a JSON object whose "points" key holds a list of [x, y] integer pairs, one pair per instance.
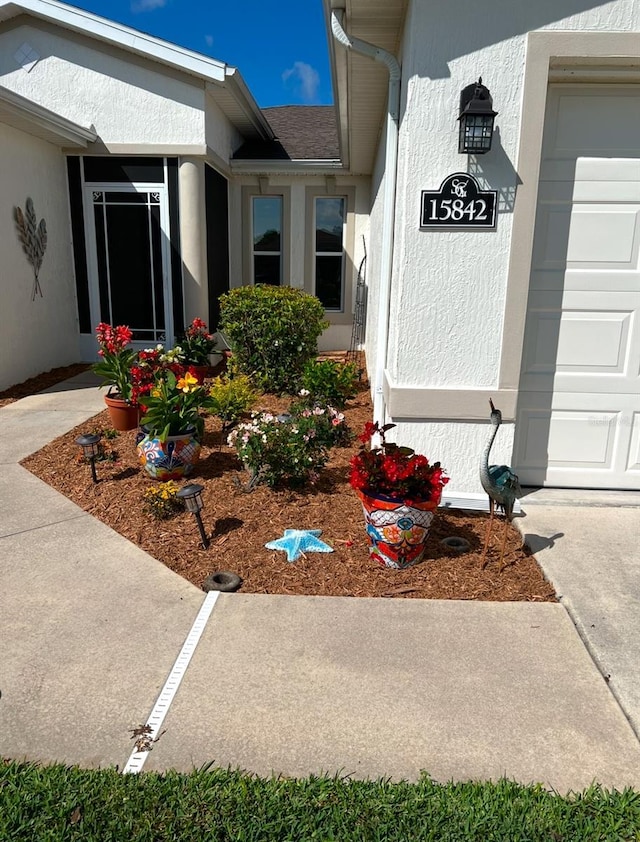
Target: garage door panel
{"points": [[593, 342], [552, 234], [578, 447], [603, 236], [579, 406], [586, 280], [594, 123], [633, 461]]}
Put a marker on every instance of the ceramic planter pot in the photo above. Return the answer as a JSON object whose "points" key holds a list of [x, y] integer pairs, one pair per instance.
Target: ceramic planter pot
{"points": [[124, 416], [397, 531], [174, 458]]}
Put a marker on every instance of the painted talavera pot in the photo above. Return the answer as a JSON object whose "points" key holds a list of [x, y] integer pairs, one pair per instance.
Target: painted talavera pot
{"points": [[174, 458], [397, 531], [123, 416]]}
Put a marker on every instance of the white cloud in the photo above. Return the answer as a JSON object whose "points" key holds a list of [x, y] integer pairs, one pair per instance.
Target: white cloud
{"points": [[305, 80], [208, 40], [147, 5]]}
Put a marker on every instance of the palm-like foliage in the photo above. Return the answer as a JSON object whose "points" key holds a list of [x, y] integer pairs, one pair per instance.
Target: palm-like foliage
{"points": [[33, 236]]}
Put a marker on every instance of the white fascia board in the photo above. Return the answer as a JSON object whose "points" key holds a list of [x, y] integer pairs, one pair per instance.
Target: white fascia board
{"points": [[299, 167], [119, 35], [65, 131], [234, 84]]}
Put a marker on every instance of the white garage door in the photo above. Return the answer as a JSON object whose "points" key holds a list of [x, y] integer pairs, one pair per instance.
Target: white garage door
{"points": [[578, 421]]}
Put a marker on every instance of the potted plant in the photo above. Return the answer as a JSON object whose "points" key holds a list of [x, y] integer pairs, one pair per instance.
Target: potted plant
{"points": [[195, 347], [115, 369], [400, 491], [172, 425]]}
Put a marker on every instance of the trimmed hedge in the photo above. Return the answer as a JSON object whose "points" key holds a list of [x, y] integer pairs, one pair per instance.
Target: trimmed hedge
{"points": [[273, 332]]}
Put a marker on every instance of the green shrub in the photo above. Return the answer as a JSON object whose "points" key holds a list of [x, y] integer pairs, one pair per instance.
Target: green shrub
{"points": [[231, 397], [329, 382], [273, 332], [280, 450]]}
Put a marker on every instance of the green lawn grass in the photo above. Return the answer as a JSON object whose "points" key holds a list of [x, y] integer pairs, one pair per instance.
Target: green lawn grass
{"points": [[65, 803]]}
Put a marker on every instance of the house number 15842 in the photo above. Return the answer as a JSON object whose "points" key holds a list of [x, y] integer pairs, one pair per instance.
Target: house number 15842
{"points": [[458, 209], [459, 203]]}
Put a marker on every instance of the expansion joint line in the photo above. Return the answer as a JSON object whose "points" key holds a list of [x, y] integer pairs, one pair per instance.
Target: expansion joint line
{"points": [[162, 705]]}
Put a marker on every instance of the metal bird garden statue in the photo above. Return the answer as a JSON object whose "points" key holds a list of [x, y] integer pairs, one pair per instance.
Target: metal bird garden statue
{"points": [[33, 236], [501, 484]]}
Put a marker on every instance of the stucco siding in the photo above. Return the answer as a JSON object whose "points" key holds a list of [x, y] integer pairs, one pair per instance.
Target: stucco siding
{"points": [[221, 136], [449, 287], [128, 100], [37, 335]]}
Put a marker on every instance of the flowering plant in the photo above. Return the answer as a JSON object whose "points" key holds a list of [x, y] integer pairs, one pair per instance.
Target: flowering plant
{"points": [[173, 405], [280, 448], [116, 359], [161, 500], [394, 471], [197, 343]]}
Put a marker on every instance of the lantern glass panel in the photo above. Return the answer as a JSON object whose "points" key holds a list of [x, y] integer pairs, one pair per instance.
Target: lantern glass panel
{"points": [[476, 131]]}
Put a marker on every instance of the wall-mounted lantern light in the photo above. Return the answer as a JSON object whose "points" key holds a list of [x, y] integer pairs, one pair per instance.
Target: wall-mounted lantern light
{"points": [[90, 444], [476, 119], [191, 496]]}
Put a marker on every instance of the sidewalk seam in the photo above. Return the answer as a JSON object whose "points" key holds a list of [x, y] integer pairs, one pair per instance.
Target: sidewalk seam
{"points": [[154, 722]]}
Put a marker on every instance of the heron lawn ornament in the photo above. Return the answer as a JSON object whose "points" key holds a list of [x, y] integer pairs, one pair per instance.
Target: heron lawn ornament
{"points": [[501, 484], [33, 236]]}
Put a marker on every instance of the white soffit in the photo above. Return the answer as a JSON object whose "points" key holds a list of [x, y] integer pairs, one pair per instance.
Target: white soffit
{"points": [[22, 114], [360, 84], [202, 67]]}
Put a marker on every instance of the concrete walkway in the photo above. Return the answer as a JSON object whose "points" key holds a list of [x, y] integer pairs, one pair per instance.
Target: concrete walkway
{"points": [[90, 627]]}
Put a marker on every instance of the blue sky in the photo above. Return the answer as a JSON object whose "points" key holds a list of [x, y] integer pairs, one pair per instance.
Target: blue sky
{"points": [[279, 47]]}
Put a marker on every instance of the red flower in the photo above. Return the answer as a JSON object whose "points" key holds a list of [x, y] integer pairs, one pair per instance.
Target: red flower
{"points": [[395, 471], [370, 429]]}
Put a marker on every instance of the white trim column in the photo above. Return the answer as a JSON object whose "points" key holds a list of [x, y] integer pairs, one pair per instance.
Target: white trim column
{"points": [[193, 238]]}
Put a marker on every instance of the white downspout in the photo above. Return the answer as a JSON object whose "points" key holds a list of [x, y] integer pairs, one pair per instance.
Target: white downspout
{"points": [[389, 198]]}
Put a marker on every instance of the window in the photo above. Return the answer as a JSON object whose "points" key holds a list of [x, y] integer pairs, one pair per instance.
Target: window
{"points": [[266, 222], [329, 225]]}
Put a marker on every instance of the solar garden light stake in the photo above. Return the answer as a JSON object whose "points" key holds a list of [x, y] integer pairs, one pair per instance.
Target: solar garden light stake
{"points": [[191, 496], [90, 444]]}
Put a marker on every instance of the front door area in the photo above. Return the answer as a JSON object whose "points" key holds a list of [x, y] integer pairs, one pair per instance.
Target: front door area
{"points": [[578, 421], [128, 257]]}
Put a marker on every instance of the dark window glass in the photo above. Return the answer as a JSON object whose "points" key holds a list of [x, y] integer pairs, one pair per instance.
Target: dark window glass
{"points": [[267, 223], [129, 268], [329, 281], [329, 226], [266, 269], [123, 169]]}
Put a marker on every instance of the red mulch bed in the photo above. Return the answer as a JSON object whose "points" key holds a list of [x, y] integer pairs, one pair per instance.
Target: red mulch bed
{"points": [[241, 523], [40, 382]]}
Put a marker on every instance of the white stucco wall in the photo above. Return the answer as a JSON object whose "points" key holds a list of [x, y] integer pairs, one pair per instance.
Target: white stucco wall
{"points": [[35, 336], [221, 136], [449, 287], [128, 100]]}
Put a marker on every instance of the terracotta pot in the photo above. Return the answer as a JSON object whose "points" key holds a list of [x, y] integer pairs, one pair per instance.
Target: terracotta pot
{"points": [[171, 459], [124, 416], [397, 532]]}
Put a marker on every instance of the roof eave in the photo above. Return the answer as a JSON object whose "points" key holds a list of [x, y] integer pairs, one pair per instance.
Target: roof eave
{"points": [[25, 115], [297, 166], [116, 34], [244, 112]]}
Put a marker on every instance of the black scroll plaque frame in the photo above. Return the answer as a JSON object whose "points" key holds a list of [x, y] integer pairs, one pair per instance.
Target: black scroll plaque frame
{"points": [[459, 203]]}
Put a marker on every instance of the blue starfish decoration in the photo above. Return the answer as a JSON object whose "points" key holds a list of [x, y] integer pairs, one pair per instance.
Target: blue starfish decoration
{"points": [[298, 541]]}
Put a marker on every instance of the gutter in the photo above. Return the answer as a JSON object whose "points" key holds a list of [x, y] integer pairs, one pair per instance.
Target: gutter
{"points": [[389, 198]]}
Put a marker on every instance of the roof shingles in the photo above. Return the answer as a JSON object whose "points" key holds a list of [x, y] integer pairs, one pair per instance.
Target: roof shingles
{"points": [[302, 132]]}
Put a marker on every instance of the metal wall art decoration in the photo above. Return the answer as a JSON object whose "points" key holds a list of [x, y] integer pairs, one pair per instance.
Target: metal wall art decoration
{"points": [[33, 236], [459, 203]]}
